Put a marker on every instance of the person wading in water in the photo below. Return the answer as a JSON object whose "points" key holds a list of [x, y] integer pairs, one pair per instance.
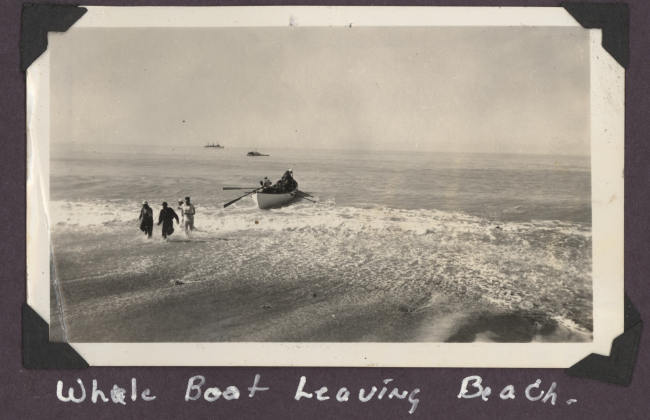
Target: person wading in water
{"points": [[146, 215], [167, 216], [180, 211], [188, 214]]}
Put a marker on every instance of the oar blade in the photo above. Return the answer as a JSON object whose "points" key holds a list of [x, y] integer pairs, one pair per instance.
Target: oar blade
{"points": [[302, 197], [237, 199]]}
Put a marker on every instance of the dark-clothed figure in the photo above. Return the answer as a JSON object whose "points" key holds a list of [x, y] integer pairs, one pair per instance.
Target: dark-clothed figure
{"points": [[287, 181], [167, 216], [146, 215], [281, 185]]}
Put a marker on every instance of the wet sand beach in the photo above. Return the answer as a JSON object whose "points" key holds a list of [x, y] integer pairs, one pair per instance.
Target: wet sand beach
{"points": [[219, 288], [150, 303]]}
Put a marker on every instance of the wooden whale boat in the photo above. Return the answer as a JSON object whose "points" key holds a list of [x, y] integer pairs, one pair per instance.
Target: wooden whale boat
{"points": [[265, 200]]}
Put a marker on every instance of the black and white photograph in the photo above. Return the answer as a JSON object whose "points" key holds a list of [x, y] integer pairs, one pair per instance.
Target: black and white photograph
{"points": [[322, 184]]}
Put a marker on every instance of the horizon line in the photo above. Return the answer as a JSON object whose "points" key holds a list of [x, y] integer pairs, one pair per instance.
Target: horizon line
{"points": [[327, 149]]}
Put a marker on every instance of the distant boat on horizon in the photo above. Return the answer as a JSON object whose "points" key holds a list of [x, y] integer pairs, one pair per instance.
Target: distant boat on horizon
{"points": [[255, 153], [216, 146]]}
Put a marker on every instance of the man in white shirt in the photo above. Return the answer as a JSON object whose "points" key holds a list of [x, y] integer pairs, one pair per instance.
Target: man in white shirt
{"points": [[188, 215]]}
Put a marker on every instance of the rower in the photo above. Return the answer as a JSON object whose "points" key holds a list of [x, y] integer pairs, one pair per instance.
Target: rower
{"points": [[289, 181], [287, 177]]}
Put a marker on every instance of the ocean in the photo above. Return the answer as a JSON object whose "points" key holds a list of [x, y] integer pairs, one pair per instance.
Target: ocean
{"points": [[400, 247]]}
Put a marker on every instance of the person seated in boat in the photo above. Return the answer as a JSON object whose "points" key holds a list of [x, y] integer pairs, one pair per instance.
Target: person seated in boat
{"points": [[279, 185], [266, 185], [292, 182], [288, 181], [288, 177]]}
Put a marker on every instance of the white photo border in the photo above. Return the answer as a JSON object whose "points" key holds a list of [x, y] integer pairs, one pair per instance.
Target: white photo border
{"points": [[607, 165]]}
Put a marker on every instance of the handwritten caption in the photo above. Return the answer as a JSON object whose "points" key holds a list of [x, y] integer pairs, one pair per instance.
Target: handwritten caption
{"points": [[509, 391], [196, 390]]}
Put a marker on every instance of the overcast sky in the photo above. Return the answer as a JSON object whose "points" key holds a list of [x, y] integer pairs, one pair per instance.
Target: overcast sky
{"points": [[482, 89]]}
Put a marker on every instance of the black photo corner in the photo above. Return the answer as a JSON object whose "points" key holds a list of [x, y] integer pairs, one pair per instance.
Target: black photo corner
{"points": [[612, 18]]}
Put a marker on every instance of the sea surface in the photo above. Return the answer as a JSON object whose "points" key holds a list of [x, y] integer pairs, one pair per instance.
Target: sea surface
{"points": [[419, 233], [496, 187]]}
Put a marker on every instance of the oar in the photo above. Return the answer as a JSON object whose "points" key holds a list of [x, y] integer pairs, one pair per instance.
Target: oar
{"points": [[237, 199], [238, 188], [301, 192], [303, 198]]}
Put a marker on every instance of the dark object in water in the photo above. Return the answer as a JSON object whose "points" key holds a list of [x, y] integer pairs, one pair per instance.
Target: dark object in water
{"points": [[180, 283], [255, 153]]}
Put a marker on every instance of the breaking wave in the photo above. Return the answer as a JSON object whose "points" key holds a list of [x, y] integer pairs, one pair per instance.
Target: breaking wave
{"points": [[300, 216]]}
